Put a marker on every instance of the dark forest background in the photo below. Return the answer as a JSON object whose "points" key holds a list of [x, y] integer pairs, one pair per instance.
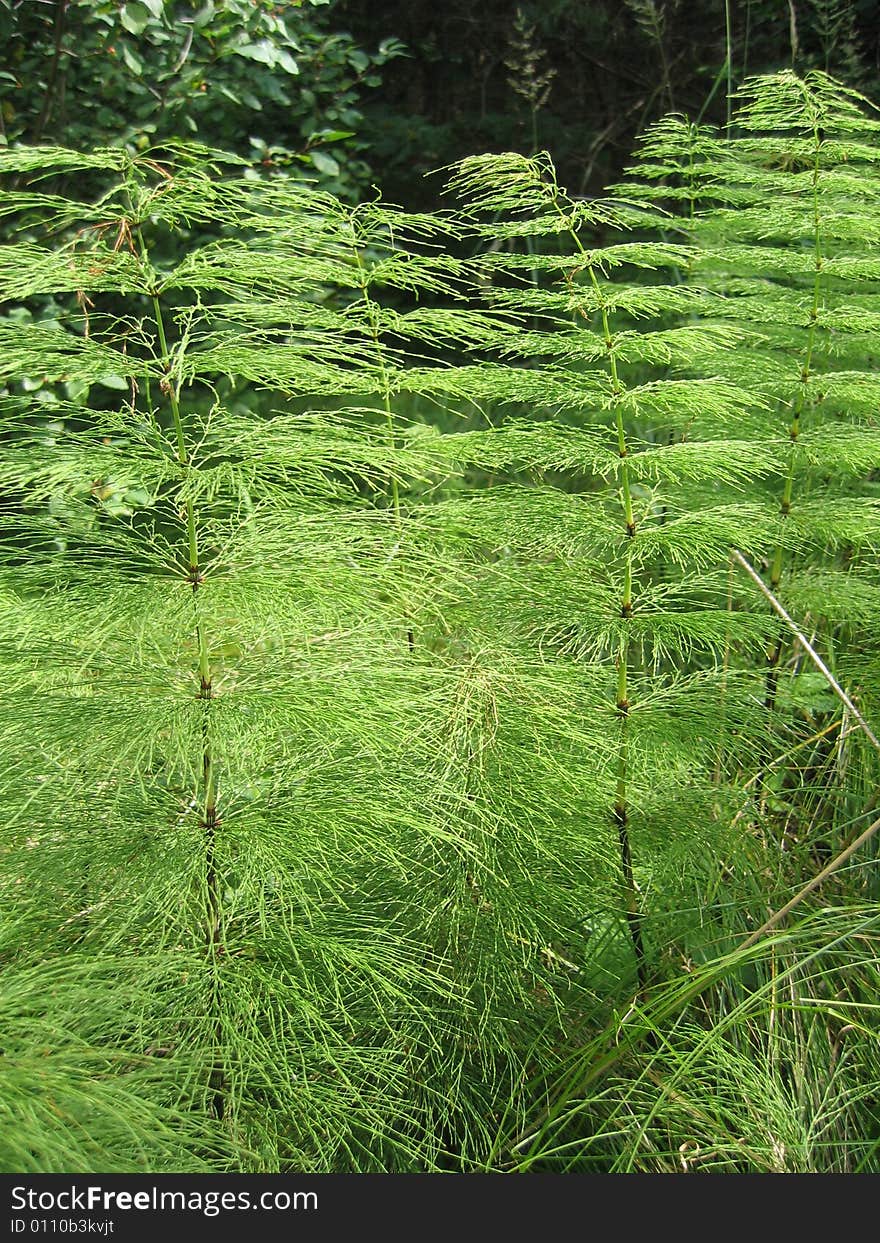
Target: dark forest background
{"points": [[358, 95]]}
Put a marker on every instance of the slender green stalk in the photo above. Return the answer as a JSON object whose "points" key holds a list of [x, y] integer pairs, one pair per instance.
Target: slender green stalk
{"points": [[622, 703], [621, 803], [725, 672], [208, 794], [775, 653], [373, 316]]}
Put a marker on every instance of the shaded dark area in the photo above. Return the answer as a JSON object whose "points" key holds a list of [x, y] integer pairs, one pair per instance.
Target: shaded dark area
{"points": [[579, 79], [354, 95]]}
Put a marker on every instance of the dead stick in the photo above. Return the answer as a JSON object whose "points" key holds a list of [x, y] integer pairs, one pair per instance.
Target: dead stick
{"points": [[807, 646], [811, 884], [869, 832]]}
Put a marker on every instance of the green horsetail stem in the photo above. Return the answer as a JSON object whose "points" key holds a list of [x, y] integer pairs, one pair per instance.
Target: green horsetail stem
{"points": [[620, 813], [208, 794], [373, 313], [774, 655]]}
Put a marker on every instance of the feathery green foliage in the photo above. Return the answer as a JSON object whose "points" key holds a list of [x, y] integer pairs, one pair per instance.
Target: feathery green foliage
{"points": [[241, 738], [385, 723]]}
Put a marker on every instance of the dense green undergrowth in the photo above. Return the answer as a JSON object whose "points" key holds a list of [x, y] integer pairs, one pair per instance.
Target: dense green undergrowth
{"points": [[396, 756]]}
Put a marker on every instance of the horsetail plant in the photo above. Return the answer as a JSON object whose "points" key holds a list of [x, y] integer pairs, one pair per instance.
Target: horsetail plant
{"points": [[801, 146], [379, 702], [785, 230], [340, 848], [586, 380], [208, 576]]}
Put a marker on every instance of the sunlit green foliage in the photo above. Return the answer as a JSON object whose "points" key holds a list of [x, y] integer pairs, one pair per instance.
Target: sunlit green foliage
{"points": [[390, 752]]}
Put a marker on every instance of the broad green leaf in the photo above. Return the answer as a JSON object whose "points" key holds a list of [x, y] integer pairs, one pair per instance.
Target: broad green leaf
{"points": [[330, 135], [324, 163], [264, 52], [286, 61], [135, 17], [134, 62]]}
